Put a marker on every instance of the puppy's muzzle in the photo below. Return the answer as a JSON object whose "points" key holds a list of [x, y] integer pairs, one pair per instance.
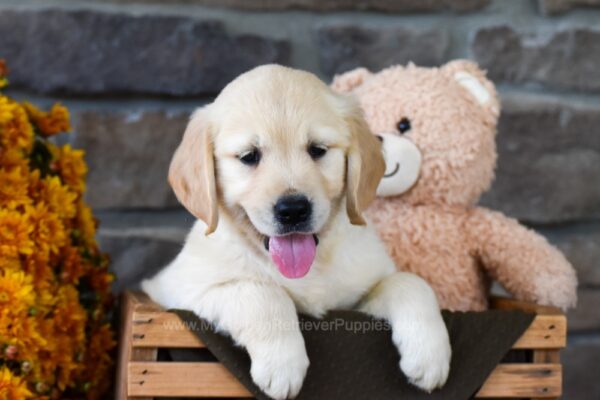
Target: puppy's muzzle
{"points": [[293, 212]]}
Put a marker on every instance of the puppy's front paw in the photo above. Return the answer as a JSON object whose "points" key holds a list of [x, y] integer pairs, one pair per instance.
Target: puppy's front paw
{"points": [[280, 370], [425, 357]]}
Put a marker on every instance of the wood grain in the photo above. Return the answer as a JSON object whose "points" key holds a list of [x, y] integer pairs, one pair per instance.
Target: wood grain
{"points": [[504, 303], [523, 380], [183, 379], [124, 347], [545, 332], [162, 329]]}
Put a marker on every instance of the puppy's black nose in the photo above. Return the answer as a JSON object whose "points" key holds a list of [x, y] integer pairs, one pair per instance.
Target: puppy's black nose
{"points": [[292, 210]]}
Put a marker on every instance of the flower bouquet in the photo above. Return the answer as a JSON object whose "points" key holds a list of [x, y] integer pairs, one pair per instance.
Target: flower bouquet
{"points": [[55, 337]]}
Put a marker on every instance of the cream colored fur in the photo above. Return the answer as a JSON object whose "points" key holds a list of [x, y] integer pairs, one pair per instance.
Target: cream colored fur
{"points": [[228, 277]]}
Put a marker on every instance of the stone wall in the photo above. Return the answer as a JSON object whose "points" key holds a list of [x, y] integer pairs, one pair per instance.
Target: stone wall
{"points": [[132, 70]]}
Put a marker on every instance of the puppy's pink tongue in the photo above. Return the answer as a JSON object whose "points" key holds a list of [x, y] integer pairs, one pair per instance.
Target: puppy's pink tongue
{"points": [[293, 254]]}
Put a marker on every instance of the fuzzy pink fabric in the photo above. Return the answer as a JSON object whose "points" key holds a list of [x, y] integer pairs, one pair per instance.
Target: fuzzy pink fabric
{"points": [[435, 230]]}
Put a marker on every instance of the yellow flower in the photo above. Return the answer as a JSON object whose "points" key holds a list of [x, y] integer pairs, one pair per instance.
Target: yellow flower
{"points": [[17, 326], [48, 230], [12, 387], [16, 291], [24, 333], [86, 223], [15, 231], [39, 265], [71, 167], [13, 158], [14, 188], [59, 198], [10, 263], [15, 129], [47, 249], [49, 123], [68, 335]]}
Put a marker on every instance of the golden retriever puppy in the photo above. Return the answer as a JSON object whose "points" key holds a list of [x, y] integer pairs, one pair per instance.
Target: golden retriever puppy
{"points": [[278, 170]]}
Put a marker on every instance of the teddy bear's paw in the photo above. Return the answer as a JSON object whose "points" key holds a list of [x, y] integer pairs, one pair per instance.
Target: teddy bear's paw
{"points": [[425, 358], [557, 290], [280, 374]]}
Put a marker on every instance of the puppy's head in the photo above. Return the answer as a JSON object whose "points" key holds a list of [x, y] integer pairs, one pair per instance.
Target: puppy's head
{"points": [[280, 151]]}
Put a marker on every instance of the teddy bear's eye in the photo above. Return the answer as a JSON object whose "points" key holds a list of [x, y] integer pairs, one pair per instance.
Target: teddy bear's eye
{"points": [[403, 125]]}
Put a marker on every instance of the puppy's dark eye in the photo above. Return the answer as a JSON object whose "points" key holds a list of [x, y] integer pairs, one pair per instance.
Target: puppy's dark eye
{"points": [[316, 151], [403, 125], [251, 157]]}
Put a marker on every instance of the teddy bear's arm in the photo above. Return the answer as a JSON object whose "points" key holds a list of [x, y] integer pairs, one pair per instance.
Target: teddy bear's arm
{"points": [[521, 260]]}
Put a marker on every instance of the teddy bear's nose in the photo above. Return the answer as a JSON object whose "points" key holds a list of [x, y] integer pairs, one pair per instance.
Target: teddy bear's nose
{"points": [[379, 137]]}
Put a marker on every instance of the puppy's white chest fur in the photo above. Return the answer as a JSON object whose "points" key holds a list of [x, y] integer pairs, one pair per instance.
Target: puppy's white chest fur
{"points": [[347, 265]]}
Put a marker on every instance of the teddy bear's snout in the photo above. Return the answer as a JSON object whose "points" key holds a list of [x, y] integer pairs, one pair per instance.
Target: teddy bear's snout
{"points": [[403, 164]]}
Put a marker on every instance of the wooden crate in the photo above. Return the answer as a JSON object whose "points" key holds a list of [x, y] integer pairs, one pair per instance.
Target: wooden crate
{"points": [[143, 332]]}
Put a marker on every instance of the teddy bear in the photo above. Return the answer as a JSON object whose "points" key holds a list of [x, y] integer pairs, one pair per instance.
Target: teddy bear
{"points": [[438, 128]]}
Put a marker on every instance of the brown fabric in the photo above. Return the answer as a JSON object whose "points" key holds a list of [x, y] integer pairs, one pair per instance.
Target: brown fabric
{"points": [[355, 365]]}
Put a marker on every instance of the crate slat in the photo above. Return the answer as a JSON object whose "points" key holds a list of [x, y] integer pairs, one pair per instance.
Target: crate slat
{"points": [[545, 332], [162, 329], [167, 379], [504, 303], [162, 379], [523, 380]]}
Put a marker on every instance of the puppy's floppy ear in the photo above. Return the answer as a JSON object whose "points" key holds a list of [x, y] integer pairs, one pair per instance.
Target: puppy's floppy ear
{"points": [[192, 171], [365, 166]]}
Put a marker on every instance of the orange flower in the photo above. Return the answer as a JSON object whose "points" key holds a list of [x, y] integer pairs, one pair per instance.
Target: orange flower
{"points": [[10, 263], [12, 387], [12, 158], [17, 327], [14, 188], [86, 223], [15, 129], [59, 198], [72, 266], [69, 335], [39, 265], [71, 167], [54, 282], [48, 230], [101, 342], [49, 123], [16, 292], [101, 282], [15, 233]]}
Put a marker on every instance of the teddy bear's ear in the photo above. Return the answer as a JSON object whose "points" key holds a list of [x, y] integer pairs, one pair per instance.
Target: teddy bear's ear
{"points": [[473, 79], [347, 81]]}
